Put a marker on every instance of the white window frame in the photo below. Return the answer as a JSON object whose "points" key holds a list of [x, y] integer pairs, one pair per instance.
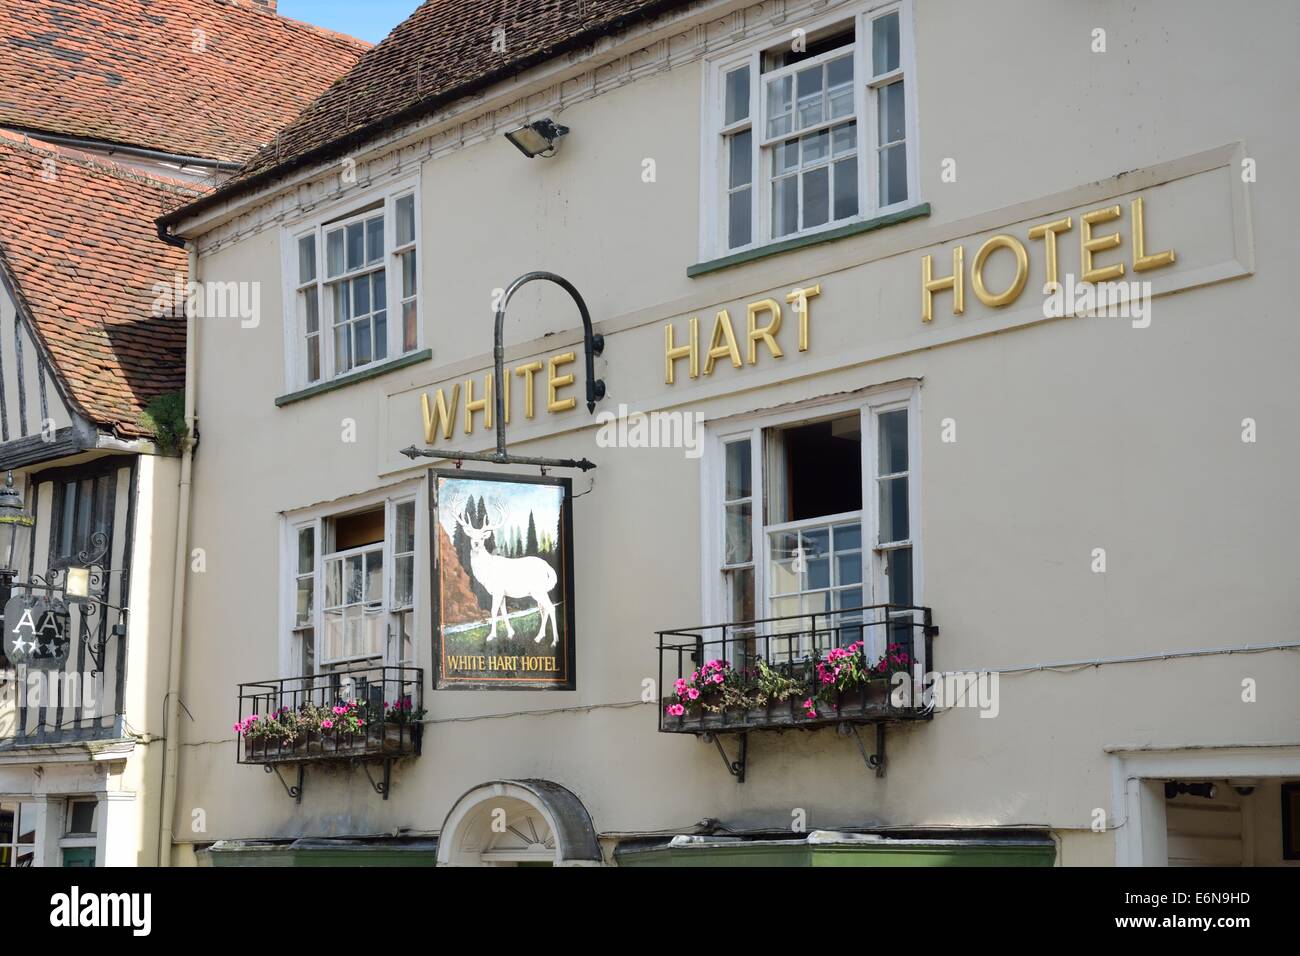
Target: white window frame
{"points": [[353, 209], [869, 403], [714, 178], [290, 654]]}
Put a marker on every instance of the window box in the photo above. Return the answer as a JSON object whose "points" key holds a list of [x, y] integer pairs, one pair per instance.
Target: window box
{"points": [[801, 671], [363, 713]]}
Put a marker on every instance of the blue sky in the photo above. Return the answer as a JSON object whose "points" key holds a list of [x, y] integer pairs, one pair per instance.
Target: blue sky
{"points": [[370, 20]]}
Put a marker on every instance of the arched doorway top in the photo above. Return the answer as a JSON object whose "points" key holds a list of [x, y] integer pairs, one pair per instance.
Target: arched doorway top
{"points": [[513, 822]]}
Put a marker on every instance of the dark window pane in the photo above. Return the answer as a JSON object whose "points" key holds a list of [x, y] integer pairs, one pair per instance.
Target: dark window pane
{"points": [[785, 206], [356, 246], [846, 188], [737, 95], [81, 816], [823, 470], [893, 175], [408, 327], [405, 220], [816, 196], [893, 510], [892, 118], [408, 274], [898, 565], [342, 303], [375, 239], [884, 44], [306, 550], [311, 309], [738, 470], [893, 442], [334, 251], [361, 296], [381, 335], [361, 341], [742, 159], [740, 230], [306, 259]]}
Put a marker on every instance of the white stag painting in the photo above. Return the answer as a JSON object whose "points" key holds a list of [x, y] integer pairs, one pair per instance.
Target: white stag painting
{"points": [[502, 577], [503, 568]]}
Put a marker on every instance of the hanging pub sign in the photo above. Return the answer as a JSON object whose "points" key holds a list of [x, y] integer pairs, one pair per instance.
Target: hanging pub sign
{"points": [[502, 549], [36, 632]]}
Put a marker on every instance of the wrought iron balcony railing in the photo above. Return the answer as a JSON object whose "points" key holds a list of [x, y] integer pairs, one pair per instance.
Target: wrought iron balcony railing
{"points": [[852, 666], [366, 714]]}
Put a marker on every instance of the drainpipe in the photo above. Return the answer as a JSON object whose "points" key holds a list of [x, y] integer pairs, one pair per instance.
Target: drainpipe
{"points": [[180, 575]]}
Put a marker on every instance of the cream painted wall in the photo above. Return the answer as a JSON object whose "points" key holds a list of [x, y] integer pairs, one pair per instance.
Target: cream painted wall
{"points": [[1072, 435]]}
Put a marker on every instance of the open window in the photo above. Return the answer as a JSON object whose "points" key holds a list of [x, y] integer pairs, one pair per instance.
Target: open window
{"points": [[353, 587], [816, 521]]}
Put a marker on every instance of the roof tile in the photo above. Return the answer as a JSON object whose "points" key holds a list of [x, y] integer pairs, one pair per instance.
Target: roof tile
{"points": [[83, 250], [197, 78]]}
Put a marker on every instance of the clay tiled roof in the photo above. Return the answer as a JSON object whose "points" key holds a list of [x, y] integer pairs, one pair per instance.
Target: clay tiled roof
{"points": [[199, 78], [77, 238], [441, 53]]}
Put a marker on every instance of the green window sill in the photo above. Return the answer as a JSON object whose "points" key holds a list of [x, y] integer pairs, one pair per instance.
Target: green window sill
{"points": [[800, 242], [353, 378]]}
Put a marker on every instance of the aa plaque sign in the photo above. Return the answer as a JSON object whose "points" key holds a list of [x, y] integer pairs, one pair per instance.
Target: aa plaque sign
{"points": [[36, 632]]}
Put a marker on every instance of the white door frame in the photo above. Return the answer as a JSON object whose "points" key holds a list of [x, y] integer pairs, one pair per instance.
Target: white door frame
{"points": [[1137, 793]]}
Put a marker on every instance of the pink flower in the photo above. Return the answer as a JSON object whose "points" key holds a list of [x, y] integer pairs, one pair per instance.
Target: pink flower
{"points": [[676, 710], [327, 724], [692, 693], [339, 711], [717, 678], [679, 685]]}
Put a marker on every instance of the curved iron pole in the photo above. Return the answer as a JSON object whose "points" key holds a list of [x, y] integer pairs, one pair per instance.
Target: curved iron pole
{"points": [[593, 344]]}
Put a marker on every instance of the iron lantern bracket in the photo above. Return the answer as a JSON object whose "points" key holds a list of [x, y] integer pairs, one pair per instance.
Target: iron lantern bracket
{"points": [[593, 345]]}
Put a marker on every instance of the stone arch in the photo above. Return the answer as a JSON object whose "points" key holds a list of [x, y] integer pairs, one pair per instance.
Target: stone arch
{"points": [[518, 823]]}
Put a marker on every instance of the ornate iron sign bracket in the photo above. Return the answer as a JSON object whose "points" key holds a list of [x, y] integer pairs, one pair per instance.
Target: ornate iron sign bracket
{"points": [[50, 594], [593, 344]]}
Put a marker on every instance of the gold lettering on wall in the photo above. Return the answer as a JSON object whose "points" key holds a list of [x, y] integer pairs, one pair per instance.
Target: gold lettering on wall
{"points": [[1050, 233], [445, 417], [723, 342], [930, 285], [528, 371], [718, 348], [1017, 284], [1141, 261], [483, 404], [556, 382], [799, 299], [762, 333], [674, 353], [1088, 246]]}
